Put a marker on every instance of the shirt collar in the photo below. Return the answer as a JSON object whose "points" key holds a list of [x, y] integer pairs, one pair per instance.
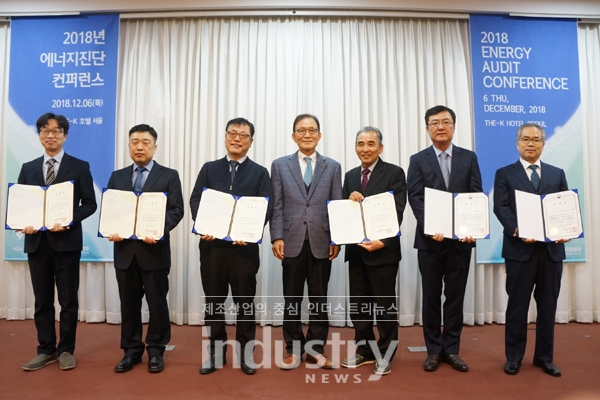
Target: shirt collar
{"points": [[241, 160], [147, 166], [371, 167], [526, 164], [448, 150], [57, 157], [313, 157]]}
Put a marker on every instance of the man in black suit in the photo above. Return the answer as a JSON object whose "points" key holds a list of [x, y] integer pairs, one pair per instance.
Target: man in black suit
{"points": [[373, 266], [54, 255], [142, 266], [529, 263], [442, 166], [224, 263]]}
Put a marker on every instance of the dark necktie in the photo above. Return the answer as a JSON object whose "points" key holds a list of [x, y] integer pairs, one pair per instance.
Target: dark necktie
{"points": [[137, 185], [535, 177], [445, 168], [365, 179], [50, 174], [308, 172], [234, 165]]}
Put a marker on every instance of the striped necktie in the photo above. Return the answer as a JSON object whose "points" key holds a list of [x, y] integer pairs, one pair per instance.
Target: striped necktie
{"points": [[50, 174]]}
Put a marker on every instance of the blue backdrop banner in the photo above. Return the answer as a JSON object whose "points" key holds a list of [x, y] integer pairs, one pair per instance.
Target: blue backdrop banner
{"points": [[68, 66], [526, 70]]}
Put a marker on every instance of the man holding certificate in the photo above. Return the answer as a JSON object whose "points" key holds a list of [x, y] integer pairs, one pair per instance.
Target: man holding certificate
{"points": [[529, 263], [442, 261], [373, 265], [53, 255], [303, 182], [235, 263], [142, 266]]}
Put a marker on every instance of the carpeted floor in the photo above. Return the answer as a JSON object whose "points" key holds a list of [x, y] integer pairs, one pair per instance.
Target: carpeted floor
{"points": [[577, 349]]}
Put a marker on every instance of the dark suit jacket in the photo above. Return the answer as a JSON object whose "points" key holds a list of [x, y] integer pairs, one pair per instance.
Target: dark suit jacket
{"points": [[84, 200], [251, 179], [424, 171], [295, 208], [513, 177], [150, 256], [385, 177]]}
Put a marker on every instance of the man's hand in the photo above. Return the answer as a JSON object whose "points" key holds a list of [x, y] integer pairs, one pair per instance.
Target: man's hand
{"points": [[58, 228], [278, 249], [239, 243], [29, 230], [563, 240], [438, 237], [149, 240], [356, 196], [115, 237], [207, 238], [372, 245], [333, 252], [528, 240], [467, 239]]}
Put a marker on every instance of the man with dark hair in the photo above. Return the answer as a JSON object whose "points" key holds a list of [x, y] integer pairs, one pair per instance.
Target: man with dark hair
{"points": [[142, 266], [302, 184], [442, 261], [373, 265], [224, 263], [529, 263], [54, 255]]}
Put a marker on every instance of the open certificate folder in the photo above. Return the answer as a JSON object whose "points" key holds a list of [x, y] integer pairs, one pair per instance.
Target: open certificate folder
{"points": [[229, 217], [374, 218], [133, 215], [549, 217], [39, 206], [457, 215]]}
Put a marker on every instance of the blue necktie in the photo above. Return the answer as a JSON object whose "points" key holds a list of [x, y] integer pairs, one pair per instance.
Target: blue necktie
{"points": [[137, 185], [234, 165], [535, 177], [308, 171]]}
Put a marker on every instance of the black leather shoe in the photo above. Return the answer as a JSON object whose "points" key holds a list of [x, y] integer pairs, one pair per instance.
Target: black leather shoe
{"points": [[248, 366], [455, 361], [548, 368], [382, 367], [156, 364], [212, 363], [512, 367], [127, 364], [432, 362]]}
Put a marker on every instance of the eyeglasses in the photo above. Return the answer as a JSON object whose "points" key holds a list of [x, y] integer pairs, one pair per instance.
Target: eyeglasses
{"points": [[536, 141], [243, 136], [435, 124], [311, 131], [54, 132]]}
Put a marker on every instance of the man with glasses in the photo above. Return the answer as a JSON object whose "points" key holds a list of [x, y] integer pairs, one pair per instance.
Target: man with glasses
{"points": [[529, 263], [235, 264], [302, 184], [54, 255], [442, 261]]}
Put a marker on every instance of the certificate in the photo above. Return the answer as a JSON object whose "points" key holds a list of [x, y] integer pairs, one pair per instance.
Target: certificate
{"points": [[549, 217], [457, 215], [132, 215], [39, 206], [230, 217], [373, 218]]}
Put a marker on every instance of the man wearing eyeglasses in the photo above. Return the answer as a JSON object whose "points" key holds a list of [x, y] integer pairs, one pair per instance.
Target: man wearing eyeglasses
{"points": [[54, 255], [302, 184], [443, 262], [235, 264], [529, 263]]}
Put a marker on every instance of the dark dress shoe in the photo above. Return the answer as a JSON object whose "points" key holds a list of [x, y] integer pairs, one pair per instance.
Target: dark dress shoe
{"points": [[382, 367], [548, 368], [211, 364], [156, 364], [248, 366], [455, 361], [432, 362], [512, 367], [127, 364]]}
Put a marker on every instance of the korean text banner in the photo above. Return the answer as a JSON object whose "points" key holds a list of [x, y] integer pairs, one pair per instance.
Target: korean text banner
{"points": [[526, 70], [67, 66]]}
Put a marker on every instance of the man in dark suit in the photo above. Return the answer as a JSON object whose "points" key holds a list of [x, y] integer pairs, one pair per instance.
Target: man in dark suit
{"points": [[302, 184], [442, 166], [54, 255], [142, 266], [529, 263], [224, 263], [373, 266]]}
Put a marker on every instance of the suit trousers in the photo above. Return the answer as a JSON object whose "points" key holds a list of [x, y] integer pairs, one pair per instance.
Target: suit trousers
{"points": [[315, 272], [373, 296], [447, 267], [48, 266], [220, 267], [541, 272], [133, 283]]}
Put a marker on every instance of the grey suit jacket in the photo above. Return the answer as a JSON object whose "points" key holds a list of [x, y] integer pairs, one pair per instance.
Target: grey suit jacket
{"points": [[297, 212]]}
